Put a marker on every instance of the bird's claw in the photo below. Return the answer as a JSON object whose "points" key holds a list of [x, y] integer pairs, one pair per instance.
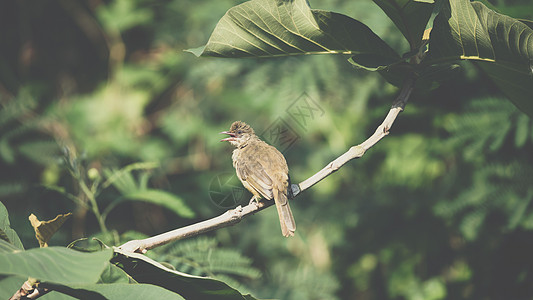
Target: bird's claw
{"points": [[254, 201]]}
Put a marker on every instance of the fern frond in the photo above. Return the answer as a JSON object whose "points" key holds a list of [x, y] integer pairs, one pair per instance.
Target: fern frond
{"points": [[202, 257], [497, 188], [485, 126]]}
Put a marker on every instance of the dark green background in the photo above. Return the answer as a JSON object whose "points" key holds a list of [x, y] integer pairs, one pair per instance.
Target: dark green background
{"points": [[439, 209]]}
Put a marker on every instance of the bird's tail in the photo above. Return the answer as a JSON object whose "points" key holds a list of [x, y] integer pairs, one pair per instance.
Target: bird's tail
{"points": [[288, 226]]}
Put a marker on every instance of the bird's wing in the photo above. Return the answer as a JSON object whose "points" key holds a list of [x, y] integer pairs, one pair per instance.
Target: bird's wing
{"points": [[254, 174]]}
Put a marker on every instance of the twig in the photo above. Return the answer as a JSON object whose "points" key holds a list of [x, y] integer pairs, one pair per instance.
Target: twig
{"points": [[234, 216], [359, 150], [29, 291]]}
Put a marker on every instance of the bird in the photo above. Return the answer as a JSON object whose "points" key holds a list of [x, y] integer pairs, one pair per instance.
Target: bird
{"points": [[262, 170]]}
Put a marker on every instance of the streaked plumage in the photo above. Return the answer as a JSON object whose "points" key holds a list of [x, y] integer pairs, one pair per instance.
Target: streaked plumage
{"points": [[262, 170]]}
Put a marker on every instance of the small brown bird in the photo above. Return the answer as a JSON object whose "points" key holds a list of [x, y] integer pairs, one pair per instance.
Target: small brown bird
{"points": [[262, 170]]}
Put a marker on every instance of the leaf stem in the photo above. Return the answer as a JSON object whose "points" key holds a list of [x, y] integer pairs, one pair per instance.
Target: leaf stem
{"points": [[94, 205]]}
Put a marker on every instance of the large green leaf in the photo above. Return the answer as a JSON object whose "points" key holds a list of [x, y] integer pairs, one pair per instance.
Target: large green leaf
{"points": [[116, 291], [6, 232], [504, 45], [120, 289], [114, 274], [10, 284], [515, 83], [56, 264], [410, 16], [270, 28], [146, 270], [7, 247]]}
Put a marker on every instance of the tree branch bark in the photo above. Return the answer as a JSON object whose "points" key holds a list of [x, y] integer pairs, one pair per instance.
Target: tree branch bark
{"points": [[234, 216]]}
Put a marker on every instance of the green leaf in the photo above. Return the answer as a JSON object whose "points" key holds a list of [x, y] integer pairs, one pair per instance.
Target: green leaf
{"points": [[198, 51], [523, 128], [529, 23], [122, 15], [124, 181], [6, 247], [6, 152], [114, 274], [502, 45], [163, 198], [146, 270], [56, 264], [115, 291], [270, 28], [6, 232], [514, 82], [9, 285], [520, 211], [410, 16], [56, 296]]}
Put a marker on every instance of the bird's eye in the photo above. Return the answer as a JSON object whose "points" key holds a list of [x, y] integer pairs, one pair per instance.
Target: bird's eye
{"points": [[239, 131]]}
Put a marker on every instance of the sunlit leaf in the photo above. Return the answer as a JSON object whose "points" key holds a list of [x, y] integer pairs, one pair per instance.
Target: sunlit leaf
{"points": [[44, 230], [270, 28], [55, 264], [7, 247]]}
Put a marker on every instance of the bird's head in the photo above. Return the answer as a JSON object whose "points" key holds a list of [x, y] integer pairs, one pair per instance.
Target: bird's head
{"points": [[239, 134]]}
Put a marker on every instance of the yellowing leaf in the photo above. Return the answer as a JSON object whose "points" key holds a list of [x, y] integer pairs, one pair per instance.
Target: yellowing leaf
{"points": [[44, 230]]}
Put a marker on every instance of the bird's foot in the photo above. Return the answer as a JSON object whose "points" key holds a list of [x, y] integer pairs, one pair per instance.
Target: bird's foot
{"points": [[254, 201]]}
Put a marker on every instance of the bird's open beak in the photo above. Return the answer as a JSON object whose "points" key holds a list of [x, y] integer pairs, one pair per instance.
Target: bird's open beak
{"points": [[230, 138]]}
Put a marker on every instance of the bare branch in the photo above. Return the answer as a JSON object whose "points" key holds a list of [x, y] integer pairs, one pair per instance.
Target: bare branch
{"points": [[228, 218], [234, 216], [359, 150]]}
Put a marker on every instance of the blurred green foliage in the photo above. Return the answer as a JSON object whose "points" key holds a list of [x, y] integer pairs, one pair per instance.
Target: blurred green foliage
{"points": [[440, 209]]}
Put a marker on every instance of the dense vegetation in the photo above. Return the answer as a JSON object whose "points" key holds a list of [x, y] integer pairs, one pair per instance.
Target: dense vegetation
{"points": [[104, 115]]}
